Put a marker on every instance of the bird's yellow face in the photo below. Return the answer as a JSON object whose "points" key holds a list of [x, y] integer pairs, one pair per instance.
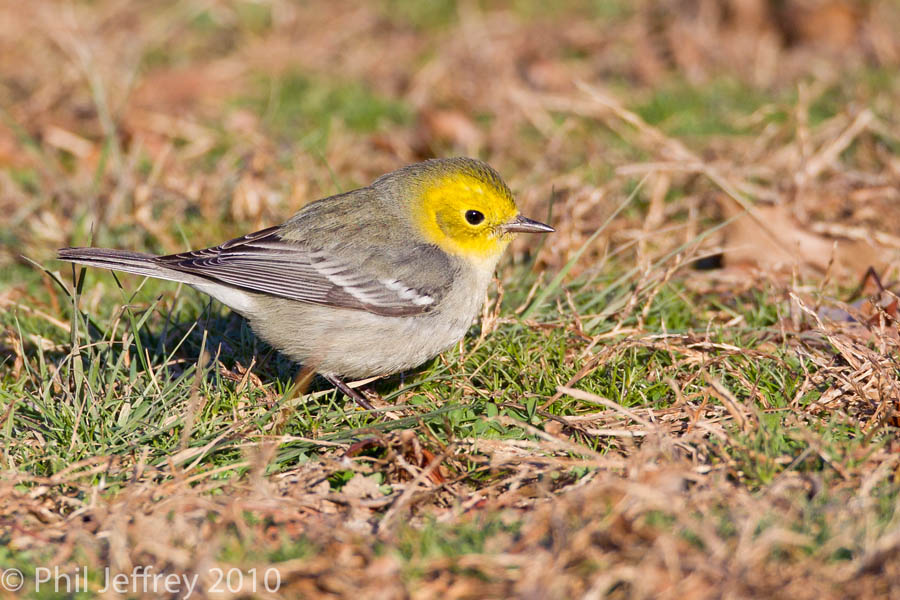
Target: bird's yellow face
{"points": [[466, 215]]}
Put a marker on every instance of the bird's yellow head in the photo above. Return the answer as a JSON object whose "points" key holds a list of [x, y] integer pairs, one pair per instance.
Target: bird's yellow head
{"points": [[464, 207]]}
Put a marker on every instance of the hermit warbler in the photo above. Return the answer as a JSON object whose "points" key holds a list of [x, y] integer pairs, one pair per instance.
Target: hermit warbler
{"points": [[369, 282]]}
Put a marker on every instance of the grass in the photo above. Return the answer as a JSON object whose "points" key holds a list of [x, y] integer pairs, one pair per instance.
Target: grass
{"points": [[106, 401], [302, 110], [618, 423]]}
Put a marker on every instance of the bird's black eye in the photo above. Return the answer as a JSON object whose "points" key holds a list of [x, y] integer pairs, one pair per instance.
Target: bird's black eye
{"points": [[474, 217]]}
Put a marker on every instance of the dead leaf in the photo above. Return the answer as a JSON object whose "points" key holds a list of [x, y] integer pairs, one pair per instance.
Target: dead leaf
{"points": [[451, 127], [772, 238], [832, 24]]}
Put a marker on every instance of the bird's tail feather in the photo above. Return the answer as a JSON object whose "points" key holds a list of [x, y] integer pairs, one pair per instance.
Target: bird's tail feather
{"points": [[137, 263]]}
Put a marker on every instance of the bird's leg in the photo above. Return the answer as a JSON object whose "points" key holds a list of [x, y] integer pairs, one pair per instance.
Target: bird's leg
{"points": [[348, 391]]}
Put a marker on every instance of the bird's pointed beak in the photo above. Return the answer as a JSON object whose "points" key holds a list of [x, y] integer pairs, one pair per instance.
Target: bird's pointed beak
{"points": [[525, 225]]}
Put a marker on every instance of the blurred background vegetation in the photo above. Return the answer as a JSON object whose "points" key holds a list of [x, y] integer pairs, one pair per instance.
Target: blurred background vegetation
{"points": [[632, 426]]}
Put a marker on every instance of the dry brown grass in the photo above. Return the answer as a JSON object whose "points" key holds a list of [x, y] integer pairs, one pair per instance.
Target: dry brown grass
{"points": [[133, 121]]}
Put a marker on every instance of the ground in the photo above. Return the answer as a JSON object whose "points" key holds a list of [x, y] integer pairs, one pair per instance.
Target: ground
{"points": [[690, 390]]}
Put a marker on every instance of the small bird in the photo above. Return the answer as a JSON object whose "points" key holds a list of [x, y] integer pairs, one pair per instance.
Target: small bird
{"points": [[369, 282]]}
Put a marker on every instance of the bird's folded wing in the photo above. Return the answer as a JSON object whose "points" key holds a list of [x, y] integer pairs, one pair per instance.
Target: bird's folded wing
{"points": [[383, 281]]}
